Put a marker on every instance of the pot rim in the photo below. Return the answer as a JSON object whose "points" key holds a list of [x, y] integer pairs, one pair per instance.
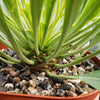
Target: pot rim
{"points": [[47, 97]]}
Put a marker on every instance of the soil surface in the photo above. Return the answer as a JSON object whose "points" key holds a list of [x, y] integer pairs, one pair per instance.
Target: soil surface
{"points": [[22, 79]]}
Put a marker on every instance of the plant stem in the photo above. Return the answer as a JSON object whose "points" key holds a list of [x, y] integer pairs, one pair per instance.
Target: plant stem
{"points": [[10, 58], [59, 76], [78, 60], [6, 61]]}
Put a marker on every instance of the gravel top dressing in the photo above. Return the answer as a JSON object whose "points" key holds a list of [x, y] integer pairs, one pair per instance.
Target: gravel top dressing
{"points": [[22, 79]]}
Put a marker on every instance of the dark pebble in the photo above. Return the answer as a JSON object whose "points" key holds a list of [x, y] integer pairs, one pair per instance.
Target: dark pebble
{"points": [[96, 67], [86, 63], [81, 85], [3, 78], [3, 64], [79, 90], [57, 81], [26, 78], [66, 87], [44, 84], [18, 85], [78, 65], [10, 79]]}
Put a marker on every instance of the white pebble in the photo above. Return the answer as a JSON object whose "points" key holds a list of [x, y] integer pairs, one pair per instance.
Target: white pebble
{"points": [[9, 85], [65, 61], [32, 83], [47, 93], [74, 81], [40, 78], [32, 90]]}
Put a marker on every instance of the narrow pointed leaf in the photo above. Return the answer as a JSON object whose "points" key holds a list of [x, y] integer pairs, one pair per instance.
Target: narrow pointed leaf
{"points": [[48, 12], [36, 8]]}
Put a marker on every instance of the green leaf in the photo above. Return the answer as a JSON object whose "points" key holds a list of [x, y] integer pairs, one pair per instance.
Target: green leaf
{"points": [[36, 8], [68, 19], [92, 78], [89, 8], [96, 47], [11, 38], [48, 13], [12, 7]]}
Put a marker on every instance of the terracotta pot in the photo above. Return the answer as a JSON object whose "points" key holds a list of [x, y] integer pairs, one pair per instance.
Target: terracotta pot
{"points": [[2, 46], [12, 96]]}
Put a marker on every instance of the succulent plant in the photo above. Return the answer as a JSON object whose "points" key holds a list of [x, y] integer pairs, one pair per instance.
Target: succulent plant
{"points": [[41, 30]]}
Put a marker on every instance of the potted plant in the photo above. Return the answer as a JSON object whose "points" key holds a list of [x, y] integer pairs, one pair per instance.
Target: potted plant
{"points": [[41, 32]]}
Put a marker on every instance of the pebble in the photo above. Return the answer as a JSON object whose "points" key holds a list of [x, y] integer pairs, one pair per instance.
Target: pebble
{"points": [[65, 61], [79, 89], [76, 55], [71, 60], [86, 63], [17, 85], [44, 84], [74, 71], [57, 86], [55, 80], [49, 87], [13, 73], [32, 83], [74, 81], [11, 91], [3, 64], [74, 66], [47, 93], [73, 87], [39, 89], [60, 92], [15, 56], [11, 53], [70, 72], [85, 92], [96, 67], [33, 76], [61, 71], [9, 86], [70, 94], [78, 65], [43, 74], [24, 89], [87, 88], [10, 79], [26, 73], [5, 51], [32, 90], [16, 79], [68, 58], [89, 68], [81, 70], [41, 79], [5, 71], [2, 78], [66, 87], [17, 90], [23, 82]]}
